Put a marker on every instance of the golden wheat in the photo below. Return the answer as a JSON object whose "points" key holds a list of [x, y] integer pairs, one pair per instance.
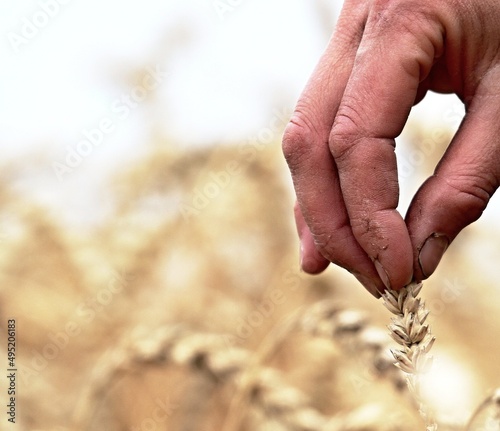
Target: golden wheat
{"points": [[272, 400], [352, 330], [409, 330], [208, 354]]}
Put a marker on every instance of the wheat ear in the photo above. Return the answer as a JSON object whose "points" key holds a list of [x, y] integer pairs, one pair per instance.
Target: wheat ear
{"points": [[206, 353], [275, 403], [409, 330], [352, 331]]}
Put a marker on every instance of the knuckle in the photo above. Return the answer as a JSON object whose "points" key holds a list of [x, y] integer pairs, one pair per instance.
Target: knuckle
{"points": [[401, 11], [345, 132], [412, 24], [325, 244], [297, 139], [471, 192], [465, 192], [332, 246], [293, 141], [403, 17]]}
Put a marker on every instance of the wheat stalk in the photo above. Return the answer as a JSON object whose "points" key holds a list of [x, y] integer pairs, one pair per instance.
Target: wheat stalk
{"points": [[409, 330]]}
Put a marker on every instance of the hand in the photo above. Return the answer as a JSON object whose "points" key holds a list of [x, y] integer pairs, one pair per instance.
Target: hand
{"points": [[383, 58]]}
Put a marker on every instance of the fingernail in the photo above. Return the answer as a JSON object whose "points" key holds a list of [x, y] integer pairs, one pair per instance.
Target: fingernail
{"points": [[431, 253], [382, 273]]}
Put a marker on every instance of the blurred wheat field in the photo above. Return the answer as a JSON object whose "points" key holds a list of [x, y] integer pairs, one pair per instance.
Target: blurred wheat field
{"points": [[185, 310]]}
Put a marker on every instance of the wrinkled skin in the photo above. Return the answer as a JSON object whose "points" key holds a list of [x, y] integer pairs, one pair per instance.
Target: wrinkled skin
{"points": [[382, 59]]}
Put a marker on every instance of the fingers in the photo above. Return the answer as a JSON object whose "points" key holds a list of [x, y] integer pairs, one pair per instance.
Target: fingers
{"points": [[463, 182], [311, 260], [320, 195], [379, 95], [322, 219], [340, 142]]}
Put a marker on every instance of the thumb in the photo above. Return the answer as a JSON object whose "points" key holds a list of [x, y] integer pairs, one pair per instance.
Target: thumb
{"points": [[463, 183]]}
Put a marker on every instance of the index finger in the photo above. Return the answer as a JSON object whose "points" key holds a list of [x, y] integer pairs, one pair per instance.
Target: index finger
{"points": [[396, 53]]}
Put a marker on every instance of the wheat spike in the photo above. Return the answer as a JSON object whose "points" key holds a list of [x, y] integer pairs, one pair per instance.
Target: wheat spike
{"points": [[271, 398], [352, 330], [206, 353], [409, 330]]}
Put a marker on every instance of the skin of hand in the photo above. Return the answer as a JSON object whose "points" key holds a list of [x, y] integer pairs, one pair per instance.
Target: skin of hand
{"points": [[339, 145]]}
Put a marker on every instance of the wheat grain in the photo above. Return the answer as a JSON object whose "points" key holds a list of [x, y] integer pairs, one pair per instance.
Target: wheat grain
{"points": [[352, 330], [411, 332]]}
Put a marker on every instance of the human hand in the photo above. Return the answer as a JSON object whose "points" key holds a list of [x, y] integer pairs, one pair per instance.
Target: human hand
{"points": [[383, 58]]}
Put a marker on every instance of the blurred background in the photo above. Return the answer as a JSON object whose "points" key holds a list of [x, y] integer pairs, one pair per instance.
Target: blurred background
{"points": [[148, 252]]}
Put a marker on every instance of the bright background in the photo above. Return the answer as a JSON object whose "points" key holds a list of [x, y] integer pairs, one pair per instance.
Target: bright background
{"points": [[225, 74]]}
